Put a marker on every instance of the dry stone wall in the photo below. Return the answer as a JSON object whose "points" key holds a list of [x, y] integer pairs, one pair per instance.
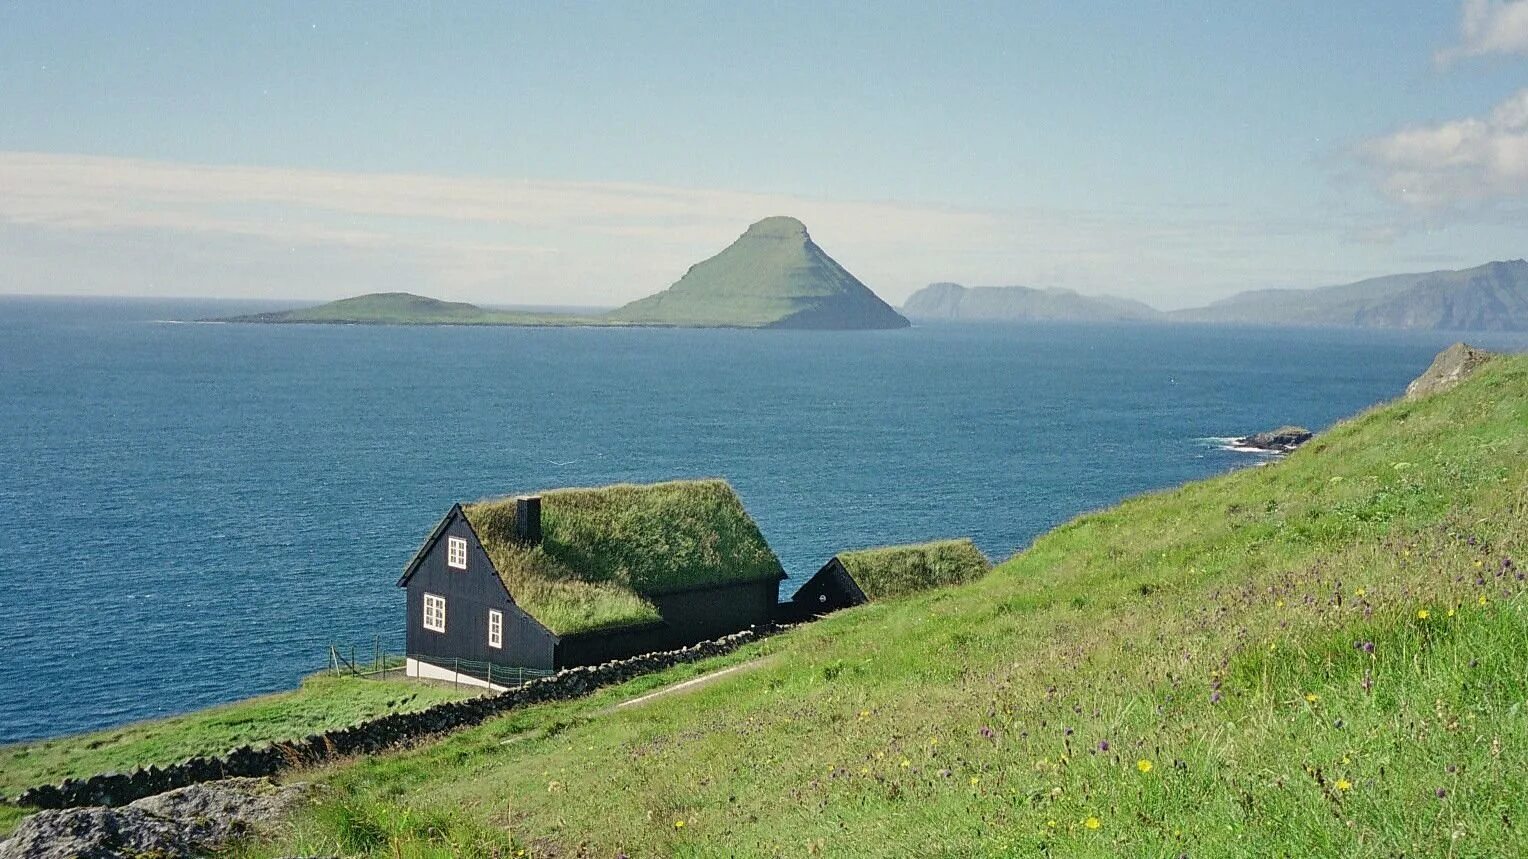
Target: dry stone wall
{"points": [[383, 732]]}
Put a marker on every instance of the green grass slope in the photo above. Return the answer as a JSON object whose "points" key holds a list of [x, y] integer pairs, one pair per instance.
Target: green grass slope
{"points": [[604, 550], [773, 276], [403, 308], [1320, 657], [321, 703]]}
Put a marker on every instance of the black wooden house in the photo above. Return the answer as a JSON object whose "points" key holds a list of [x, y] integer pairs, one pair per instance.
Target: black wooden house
{"points": [[581, 576]]}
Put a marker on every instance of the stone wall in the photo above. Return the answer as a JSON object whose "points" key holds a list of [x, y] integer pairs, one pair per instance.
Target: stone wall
{"points": [[383, 732]]}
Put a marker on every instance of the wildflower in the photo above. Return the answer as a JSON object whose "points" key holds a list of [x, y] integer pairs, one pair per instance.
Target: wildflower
{"points": [[1311, 697], [1450, 611], [679, 824], [1092, 823], [864, 714], [1103, 745], [1440, 793], [1215, 697], [975, 781], [1359, 592], [1423, 614], [1344, 784], [1051, 824], [1143, 765], [906, 763], [1482, 599], [988, 733]]}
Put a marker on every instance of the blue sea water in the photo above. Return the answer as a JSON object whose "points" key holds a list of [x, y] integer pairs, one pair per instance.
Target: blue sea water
{"points": [[192, 513]]}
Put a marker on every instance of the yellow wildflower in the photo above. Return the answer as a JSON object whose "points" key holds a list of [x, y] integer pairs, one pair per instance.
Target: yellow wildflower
{"points": [[906, 763], [1359, 592], [1311, 697], [1344, 784], [1092, 823], [679, 824], [1143, 765], [975, 781], [1423, 614], [1482, 599], [1450, 611]]}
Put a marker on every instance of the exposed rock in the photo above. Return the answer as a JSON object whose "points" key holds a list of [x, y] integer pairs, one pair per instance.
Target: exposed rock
{"points": [[1282, 440], [1450, 367], [186, 822]]}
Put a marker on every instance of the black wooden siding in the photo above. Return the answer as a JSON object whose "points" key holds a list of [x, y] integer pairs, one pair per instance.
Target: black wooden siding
{"points": [[828, 590], [469, 595]]}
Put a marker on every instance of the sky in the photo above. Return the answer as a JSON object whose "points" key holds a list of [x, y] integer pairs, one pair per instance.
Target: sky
{"points": [[589, 153]]}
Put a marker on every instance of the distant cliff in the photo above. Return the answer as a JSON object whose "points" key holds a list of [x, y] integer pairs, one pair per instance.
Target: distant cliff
{"points": [[1490, 297], [953, 302], [773, 276]]}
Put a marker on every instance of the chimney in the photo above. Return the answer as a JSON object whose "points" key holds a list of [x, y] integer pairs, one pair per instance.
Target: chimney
{"points": [[528, 519]]}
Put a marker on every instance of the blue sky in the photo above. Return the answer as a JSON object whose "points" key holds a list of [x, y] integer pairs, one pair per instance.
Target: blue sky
{"points": [[588, 153]]}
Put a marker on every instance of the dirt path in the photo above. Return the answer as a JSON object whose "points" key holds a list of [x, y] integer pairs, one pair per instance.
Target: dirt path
{"points": [[693, 683]]}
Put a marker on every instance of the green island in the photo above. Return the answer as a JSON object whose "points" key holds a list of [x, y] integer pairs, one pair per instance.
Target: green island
{"points": [[773, 276], [605, 550], [1321, 656]]}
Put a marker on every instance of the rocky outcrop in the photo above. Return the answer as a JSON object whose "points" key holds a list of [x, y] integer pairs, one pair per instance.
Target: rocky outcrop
{"points": [[190, 821], [1282, 440], [1448, 369]]}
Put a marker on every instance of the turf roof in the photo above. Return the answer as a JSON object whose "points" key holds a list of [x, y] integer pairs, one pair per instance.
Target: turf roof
{"points": [[892, 571], [605, 551]]}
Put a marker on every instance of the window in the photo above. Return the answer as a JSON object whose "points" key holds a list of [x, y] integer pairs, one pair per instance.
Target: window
{"points": [[434, 613], [456, 553], [495, 628]]}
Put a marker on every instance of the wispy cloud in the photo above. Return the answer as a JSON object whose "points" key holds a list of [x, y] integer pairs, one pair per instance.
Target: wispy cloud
{"points": [[1489, 27], [91, 224], [1461, 163]]}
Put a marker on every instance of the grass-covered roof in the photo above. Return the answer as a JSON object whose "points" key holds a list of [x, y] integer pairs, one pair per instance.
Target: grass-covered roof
{"points": [[604, 551], [896, 570]]}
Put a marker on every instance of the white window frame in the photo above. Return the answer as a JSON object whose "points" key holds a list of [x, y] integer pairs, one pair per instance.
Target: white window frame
{"points": [[456, 553], [496, 629], [434, 613]]}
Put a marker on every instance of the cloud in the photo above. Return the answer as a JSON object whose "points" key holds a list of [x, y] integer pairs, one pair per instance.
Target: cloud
{"points": [[83, 224], [1462, 163], [1489, 27]]}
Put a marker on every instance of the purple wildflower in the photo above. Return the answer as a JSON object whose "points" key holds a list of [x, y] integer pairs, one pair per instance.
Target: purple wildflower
{"points": [[1103, 745]]}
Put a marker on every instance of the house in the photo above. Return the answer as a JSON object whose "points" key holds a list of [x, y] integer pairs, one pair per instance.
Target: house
{"points": [[851, 578], [582, 576]]}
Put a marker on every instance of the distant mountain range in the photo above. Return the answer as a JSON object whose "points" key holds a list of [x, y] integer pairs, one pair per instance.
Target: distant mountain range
{"points": [[1490, 297], [953, 302], [773, 276]]}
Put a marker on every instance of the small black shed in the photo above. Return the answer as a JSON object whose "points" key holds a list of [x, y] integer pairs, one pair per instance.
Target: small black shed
{"points": [[852, 578], [581, 576]]}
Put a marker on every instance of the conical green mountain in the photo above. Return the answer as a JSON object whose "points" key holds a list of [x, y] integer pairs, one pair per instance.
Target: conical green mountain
{"points": [[773, 276]]}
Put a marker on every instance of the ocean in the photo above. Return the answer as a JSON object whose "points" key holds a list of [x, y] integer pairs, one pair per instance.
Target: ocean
{"points": [[192, 513]]}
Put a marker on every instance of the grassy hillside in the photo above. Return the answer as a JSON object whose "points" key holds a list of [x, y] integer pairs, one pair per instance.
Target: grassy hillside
{"points": [[402, 308], [322, 702], [1322, 656], [606, 549], [773, 276]]}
